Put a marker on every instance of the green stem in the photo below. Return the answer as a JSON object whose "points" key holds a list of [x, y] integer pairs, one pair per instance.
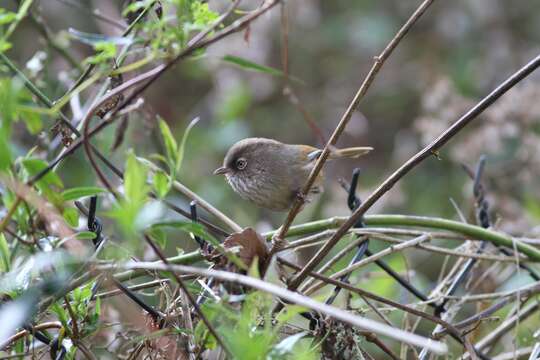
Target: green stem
{"points": [[472, 231], [29, 84], [183, 259]]}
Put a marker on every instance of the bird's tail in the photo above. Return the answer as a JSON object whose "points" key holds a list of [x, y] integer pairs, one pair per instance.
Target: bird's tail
{"points": [[352, 152]]}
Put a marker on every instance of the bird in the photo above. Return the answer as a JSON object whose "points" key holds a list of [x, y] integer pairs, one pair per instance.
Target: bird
{"points": [[271, 174]]}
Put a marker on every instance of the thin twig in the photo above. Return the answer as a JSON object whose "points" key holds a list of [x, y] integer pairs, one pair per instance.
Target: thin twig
{"points": [[506, 326], [295, 298], [145, 285], [369, 260], [450, 328], [23, 333], [524, 291]]}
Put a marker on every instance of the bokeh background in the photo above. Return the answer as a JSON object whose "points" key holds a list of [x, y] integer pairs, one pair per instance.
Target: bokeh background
{"points": [[457, 53]]}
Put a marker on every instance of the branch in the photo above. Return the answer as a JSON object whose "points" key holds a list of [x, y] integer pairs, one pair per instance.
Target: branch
{"points": [[368, 260], [470, 231], [363, 323]]}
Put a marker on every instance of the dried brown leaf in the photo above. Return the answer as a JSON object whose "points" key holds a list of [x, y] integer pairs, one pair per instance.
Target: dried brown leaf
{"points": [[251, 245]]}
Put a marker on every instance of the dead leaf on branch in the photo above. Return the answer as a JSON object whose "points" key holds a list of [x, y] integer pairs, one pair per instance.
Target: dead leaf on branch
{"points": [[250, 245]]}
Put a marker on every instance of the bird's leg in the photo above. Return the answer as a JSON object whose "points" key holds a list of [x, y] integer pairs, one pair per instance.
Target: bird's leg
{"points": [[278, 243]]}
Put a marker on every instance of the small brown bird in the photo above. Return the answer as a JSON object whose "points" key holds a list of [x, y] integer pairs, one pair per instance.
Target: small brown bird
{"points": [[271, 174]]}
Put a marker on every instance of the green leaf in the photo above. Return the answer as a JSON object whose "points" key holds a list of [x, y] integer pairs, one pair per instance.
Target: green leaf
{"points": [[5, 151], [8, 102], [202, 15], [180, 156], [251, 66], [135, 195], [21, 13], [5, 254], [159, 236], [105, 51], [81, 192], [135, 187], [71, 215], [161, 184], [6, 17], [32, 121], [33, 166], [171, 147], [85, 235], [61, 313], [4, 45]]}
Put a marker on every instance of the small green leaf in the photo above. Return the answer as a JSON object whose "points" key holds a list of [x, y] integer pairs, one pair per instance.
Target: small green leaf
{"points": [[5, 254], [5, 152], [171, 147], [80, 192], [33, 166], [202, 15], [61, 313], [251, 66], [85, 235], [180, 156], [135, 195], [159, 236], [6, 16], [32, 121], [135, 180], [105, 51], [4, 45], [161, 184], [8, 102], [71, 215]]}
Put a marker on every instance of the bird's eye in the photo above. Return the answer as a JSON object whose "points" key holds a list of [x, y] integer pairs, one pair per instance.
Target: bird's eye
{"points": [[241, 163]]}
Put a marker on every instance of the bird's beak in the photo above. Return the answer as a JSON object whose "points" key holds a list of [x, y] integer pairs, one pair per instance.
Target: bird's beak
{"points": [[221, 171]]}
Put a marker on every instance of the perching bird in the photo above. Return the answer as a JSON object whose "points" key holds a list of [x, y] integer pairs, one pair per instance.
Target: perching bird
{"points": [[271, 174]]}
